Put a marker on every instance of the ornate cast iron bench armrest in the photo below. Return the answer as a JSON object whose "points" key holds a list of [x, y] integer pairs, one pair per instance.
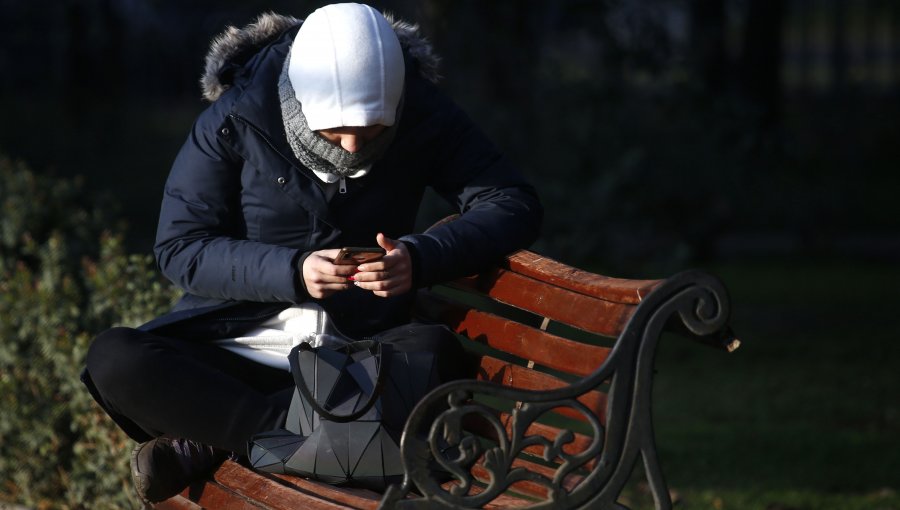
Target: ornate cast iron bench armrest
{"points": [[487, 451]]}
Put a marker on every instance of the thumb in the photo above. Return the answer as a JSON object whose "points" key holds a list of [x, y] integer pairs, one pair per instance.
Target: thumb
{"points": [[385, 242]]}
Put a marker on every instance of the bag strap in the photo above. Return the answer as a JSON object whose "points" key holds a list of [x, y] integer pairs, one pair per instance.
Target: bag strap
{"points": [[328, 415]]}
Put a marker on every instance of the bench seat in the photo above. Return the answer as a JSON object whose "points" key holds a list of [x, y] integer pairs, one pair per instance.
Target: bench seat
{"points": [[558, 413]]}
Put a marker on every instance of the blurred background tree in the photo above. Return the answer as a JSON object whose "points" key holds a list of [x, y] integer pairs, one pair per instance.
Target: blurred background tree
{"points": [[660, 132]]}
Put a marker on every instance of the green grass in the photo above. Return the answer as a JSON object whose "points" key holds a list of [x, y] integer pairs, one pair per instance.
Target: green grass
{"points": [[806, 414]]}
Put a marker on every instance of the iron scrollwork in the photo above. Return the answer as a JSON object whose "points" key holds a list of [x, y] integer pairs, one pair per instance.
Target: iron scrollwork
{"points": [[436, 447]]}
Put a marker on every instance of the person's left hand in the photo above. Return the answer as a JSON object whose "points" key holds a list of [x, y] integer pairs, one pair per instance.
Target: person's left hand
{"points": [[389, 276]]}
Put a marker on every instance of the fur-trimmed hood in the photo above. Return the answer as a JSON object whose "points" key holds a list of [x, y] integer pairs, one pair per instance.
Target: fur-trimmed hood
{"points": [[234, 47]]}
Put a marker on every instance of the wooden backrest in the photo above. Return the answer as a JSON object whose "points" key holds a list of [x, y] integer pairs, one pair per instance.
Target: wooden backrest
{"points": [[538, 324]]}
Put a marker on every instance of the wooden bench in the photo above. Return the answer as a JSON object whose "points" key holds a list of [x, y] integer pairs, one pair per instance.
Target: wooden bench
{"points": [[560, 411]]}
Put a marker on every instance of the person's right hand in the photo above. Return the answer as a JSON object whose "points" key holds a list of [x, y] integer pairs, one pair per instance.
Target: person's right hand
{"points": [[322, 277]]}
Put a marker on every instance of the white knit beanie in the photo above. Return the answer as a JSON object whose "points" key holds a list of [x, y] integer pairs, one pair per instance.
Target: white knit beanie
{"points": [[346, 67]]}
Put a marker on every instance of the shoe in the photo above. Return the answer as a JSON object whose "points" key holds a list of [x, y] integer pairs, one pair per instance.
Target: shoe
{"points": [[163, 467]]}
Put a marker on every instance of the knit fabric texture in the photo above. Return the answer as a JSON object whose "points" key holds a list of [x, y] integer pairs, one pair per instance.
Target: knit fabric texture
{"points": [[317, 153], [347, 67]]}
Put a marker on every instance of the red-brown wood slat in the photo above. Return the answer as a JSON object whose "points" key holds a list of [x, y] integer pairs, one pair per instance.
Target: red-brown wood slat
{"points": [[508, 374], [355, 498], [177, 503], [589, 313], [235, 487], [277, 496], [501, 501], [617, 290], [210, 494], [515, 338]]}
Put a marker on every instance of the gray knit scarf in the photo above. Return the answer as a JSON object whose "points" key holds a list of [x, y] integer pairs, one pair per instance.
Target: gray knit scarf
{"points": [[317, 153]]}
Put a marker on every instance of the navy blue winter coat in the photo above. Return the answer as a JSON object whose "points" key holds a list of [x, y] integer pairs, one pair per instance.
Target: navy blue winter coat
{"points": [[239, 210]]}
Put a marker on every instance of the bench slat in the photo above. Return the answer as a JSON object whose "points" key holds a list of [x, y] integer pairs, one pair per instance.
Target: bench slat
{"points": [[210, 494], [358, 498], [556, 303], [275, 495], [178, 503], [508, 374], [234, 487], [518, 339], [617, 290], [501, 501]]}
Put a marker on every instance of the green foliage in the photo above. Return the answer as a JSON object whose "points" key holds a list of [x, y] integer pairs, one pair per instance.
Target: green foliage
{"points": [[32, 207], [62, 281]]}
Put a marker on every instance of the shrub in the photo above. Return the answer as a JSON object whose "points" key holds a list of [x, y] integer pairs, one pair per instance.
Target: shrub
{"points": [[62, 281]]}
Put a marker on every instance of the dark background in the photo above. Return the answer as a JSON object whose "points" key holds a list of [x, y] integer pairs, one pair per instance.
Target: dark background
{"points": [[661, 133]]}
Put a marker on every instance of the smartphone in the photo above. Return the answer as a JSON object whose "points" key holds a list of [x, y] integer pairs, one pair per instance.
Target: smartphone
{"points": [[357, 255]]}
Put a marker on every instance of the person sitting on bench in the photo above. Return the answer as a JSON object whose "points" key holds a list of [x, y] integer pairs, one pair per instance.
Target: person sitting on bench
{"points": [[320, 134]]}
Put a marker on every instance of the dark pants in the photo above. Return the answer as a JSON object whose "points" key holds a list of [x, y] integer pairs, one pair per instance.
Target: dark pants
{"points": [[154, 386]]}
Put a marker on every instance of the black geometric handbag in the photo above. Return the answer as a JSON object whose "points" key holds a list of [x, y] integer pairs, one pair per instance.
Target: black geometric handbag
{"points": [[351, 403]]}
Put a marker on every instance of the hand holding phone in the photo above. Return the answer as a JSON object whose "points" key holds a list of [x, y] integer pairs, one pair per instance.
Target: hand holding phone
{"points": [[358, 255]]}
